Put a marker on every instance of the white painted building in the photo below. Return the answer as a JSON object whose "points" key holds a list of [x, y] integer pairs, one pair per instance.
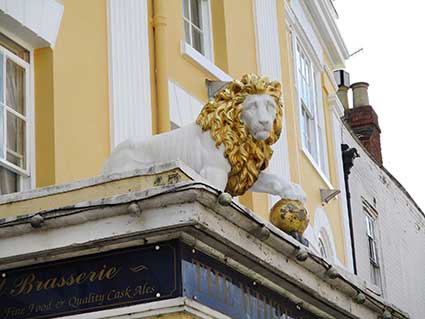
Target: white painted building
{"points": [[388, 229]]}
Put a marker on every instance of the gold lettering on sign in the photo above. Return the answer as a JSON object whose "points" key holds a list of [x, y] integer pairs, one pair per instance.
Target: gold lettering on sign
{"points": [[144, 289], [91, 298], [30, 283], [139, 268], [119, 294]]}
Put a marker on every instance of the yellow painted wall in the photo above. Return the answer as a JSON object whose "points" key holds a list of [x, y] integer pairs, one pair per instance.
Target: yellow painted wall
{"points": [[234, 53], [81, 104], [74, 105], [44, 117], [240, 38], [236, 56], [181, 70], [302, 170], [219, 37]]}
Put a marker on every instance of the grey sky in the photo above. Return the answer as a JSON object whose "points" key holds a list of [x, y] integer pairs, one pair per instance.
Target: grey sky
{"points": [[391, 34]]}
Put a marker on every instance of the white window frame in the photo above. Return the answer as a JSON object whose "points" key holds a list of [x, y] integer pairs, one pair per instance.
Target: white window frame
{"points": [[318, 156], [371, 236], [370, 232], [206, 28], [27, 174]]}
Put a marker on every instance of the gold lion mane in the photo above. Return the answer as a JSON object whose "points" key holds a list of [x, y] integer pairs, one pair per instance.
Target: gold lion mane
{"points": [[222, 117]]}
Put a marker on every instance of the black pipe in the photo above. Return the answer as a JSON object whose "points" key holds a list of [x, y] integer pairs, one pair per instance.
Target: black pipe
{"points": [[348, 156]]}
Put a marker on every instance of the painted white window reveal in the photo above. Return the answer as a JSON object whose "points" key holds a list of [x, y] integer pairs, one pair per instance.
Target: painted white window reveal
{"points": [[197, 26], [184, 108], [310, 109], [14, 121]]}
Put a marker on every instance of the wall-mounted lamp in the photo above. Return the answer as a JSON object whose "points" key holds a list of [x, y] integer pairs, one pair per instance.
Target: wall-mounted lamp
{"points": [[328, 194]]}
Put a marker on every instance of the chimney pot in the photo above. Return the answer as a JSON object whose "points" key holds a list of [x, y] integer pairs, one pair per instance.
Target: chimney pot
{"points": [[360, 94]]}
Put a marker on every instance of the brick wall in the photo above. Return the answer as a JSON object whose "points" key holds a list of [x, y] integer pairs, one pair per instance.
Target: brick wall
{"points": [[364, 123]]}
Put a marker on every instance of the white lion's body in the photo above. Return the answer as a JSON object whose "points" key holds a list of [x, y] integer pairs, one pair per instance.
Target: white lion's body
{"points": [[188, 144], [198, 150]]}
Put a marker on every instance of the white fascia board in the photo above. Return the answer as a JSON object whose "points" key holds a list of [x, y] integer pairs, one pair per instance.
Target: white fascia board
{"points": [[36, 22], [328, 30]]}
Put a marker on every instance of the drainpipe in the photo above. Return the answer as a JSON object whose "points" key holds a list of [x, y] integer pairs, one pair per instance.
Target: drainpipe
{"points": [[161, 64], [348, 156]]}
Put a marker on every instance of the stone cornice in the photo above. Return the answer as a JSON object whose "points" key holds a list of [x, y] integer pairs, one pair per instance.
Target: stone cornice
{"points": [[324, 20], [190, 211]]}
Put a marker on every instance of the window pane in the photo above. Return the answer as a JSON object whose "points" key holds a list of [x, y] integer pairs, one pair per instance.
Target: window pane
{"points": [[1, 78], [2, 141], [8, 181], [15, 86], [187, 32], [15, 140], [197, 40], [15, 48], [186, 9], [195, 10]]}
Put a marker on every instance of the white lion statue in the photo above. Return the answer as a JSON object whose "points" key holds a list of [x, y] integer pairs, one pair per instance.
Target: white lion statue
{"points": [[229, 145]]}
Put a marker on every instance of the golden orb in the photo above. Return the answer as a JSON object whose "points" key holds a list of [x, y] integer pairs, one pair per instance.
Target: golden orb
{"points": [[290, 216]]}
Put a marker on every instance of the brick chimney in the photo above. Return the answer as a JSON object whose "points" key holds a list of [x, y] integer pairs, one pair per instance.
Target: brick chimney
{"points": [[363, 120]]}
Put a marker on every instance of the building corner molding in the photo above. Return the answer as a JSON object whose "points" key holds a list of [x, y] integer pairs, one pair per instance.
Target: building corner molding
{"points": [[129, 70], [269, 64]]}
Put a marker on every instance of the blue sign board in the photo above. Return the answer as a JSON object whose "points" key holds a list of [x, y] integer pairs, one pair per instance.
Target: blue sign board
{"points": [[220, 287], [138, 275], [91, 283]]}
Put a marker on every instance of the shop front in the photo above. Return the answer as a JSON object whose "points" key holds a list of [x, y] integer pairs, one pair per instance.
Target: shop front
{"points": [[158, 242]]}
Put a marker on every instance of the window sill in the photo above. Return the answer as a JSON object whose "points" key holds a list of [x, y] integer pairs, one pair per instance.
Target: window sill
{"points": [[201, 61], [317, 168], [373, 288]]}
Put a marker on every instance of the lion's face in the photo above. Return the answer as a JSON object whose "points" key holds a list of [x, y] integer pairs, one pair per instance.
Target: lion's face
{"points": [[258, 114], [245, 117]]}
